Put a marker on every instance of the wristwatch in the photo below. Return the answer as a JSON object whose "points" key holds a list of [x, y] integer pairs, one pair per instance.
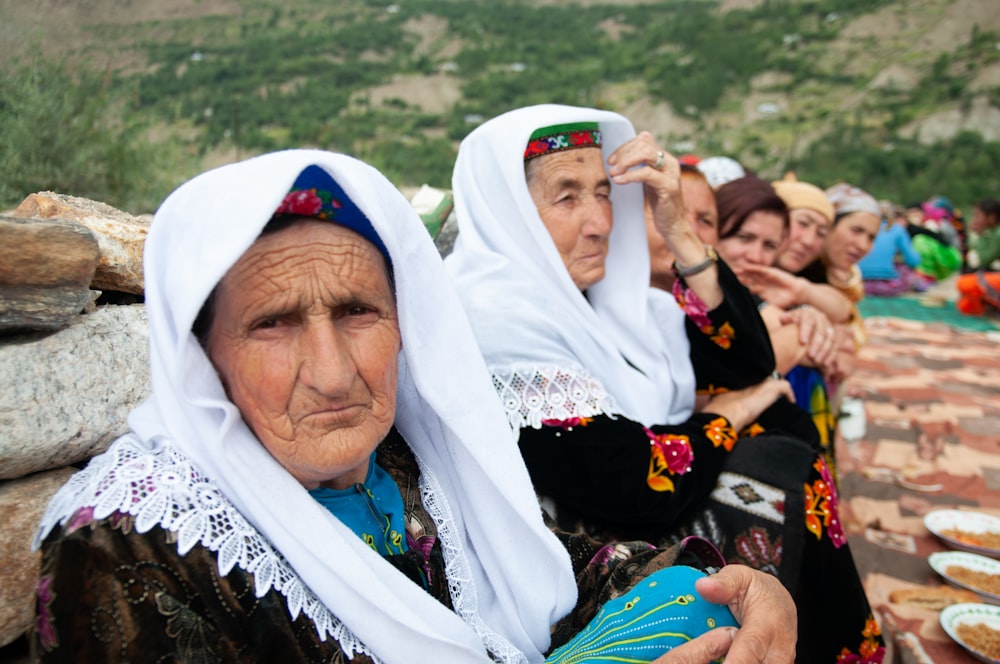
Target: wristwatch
{"points": [[710, 257]]}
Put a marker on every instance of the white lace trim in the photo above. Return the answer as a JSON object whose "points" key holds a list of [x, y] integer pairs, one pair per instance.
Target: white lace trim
{"points": [[461, 586], [531, 394], [163, 488]]}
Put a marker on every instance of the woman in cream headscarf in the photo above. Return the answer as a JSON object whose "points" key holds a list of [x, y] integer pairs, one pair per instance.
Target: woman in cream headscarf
{"points": [[595, 374], [323, 471]]}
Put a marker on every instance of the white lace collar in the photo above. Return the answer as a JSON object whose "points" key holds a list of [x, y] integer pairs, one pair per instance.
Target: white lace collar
{"points": [[162, 488]]}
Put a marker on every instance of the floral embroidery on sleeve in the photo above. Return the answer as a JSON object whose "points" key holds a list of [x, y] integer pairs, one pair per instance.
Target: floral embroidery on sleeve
{"points": [[568, 423], [871, 650], [668, 455], [821, 506], [721, 433], [696, 310]]}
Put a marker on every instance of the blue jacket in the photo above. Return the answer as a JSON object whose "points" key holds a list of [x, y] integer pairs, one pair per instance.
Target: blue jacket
{"points": [[880, 263]]}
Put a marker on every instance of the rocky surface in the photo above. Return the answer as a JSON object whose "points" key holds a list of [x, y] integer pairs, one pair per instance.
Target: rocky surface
{"points": [[22, 502], [67, 394], [46, 268], [120, 235]]}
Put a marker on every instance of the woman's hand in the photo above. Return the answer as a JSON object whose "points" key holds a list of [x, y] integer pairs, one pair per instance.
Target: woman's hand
{"points": [[742, 407], [761, 605], [641, 160], [776, 286], [845, 356], [816, 333], [637, 161]]}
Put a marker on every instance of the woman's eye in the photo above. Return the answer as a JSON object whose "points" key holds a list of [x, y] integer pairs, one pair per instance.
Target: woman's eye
{"points": [[265, 324], [355, 310]]}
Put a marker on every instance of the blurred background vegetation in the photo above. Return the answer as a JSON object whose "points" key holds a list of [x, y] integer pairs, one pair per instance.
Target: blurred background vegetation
{"points": [[121, 102]]}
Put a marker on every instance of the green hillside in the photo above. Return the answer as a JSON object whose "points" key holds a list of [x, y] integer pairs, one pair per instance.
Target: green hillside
{"points": [[123, 100]]}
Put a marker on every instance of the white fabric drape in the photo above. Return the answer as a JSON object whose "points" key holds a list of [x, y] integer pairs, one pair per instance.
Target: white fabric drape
{"points": [[527, 313], [515, 577]]}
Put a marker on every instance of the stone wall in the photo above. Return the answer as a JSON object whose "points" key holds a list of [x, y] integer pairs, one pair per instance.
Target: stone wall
{"points": [[74, 360]]}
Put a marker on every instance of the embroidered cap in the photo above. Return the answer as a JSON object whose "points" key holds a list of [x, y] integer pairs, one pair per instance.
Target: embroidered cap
{"points": [[557, 138], [316, 194]]}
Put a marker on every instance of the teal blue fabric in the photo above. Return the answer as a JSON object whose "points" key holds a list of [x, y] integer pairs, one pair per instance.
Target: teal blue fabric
{"points": [[910, 307], [373, 510], [660, 613]]}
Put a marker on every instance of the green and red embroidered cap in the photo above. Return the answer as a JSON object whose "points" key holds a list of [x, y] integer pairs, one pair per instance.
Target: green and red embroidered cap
{"points": [[557, 138]]}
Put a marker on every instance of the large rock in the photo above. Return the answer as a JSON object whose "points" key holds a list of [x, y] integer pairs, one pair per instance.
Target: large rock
{"points": [[46, 268], [66, 395], [120, 235], [22, 503]]}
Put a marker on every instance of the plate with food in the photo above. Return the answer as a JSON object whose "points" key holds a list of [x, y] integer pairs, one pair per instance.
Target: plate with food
{"points": [[975, 627], [969, 531], [971, 571]]}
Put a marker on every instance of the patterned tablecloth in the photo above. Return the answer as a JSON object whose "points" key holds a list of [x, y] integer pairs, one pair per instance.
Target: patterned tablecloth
{"points": [[931, 396]]}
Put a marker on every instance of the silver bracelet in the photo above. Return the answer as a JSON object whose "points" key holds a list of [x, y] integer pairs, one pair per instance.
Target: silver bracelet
{"points": [[710, 257]]}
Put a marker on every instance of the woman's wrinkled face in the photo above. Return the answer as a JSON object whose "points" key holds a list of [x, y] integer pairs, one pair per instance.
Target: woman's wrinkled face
{"points": [[807, 231], [305, 339], [699, 200], [756, 242], [573, 195], [850, 239]]}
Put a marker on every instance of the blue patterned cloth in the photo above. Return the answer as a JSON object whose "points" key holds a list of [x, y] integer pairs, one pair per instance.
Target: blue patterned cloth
{"points": [[660, 613]]}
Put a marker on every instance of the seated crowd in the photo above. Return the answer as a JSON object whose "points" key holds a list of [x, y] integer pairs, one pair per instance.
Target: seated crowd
{"points": [[602, 427]]}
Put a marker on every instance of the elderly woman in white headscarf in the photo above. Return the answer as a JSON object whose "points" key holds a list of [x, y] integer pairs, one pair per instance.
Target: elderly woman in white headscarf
{"points": [[552, 265], [323, 471]]}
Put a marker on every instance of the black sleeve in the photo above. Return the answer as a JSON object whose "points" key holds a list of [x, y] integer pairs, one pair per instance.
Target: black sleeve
{"points": [[734, 351], [614, 475]]}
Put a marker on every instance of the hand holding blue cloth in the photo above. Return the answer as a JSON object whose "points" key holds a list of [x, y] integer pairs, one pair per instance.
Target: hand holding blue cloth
{"points": [[661, 612]]}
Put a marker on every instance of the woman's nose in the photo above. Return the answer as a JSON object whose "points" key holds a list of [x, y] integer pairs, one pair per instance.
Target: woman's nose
{"points": [[755, 254], [599, 220], [326, 362], [809, 237]]}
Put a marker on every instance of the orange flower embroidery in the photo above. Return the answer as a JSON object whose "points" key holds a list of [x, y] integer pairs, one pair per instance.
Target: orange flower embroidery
{"points": [[721, 433], [871, 650], [724, 337]]}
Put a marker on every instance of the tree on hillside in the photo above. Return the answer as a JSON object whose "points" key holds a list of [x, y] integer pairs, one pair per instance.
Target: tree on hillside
{"points": [[64, 132]]}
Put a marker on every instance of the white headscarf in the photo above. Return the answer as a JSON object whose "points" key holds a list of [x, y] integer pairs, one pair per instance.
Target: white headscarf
{"points": [[529, 317], [510, 577], [720, 170]]}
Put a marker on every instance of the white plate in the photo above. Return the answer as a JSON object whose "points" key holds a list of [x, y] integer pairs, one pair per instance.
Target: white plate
{"points": [[970, 614], [970, 522], [940, 562]]}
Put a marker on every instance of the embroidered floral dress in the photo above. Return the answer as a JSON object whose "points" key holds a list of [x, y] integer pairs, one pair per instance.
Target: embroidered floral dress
{"points": [[764, 496], [108, 592]]}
